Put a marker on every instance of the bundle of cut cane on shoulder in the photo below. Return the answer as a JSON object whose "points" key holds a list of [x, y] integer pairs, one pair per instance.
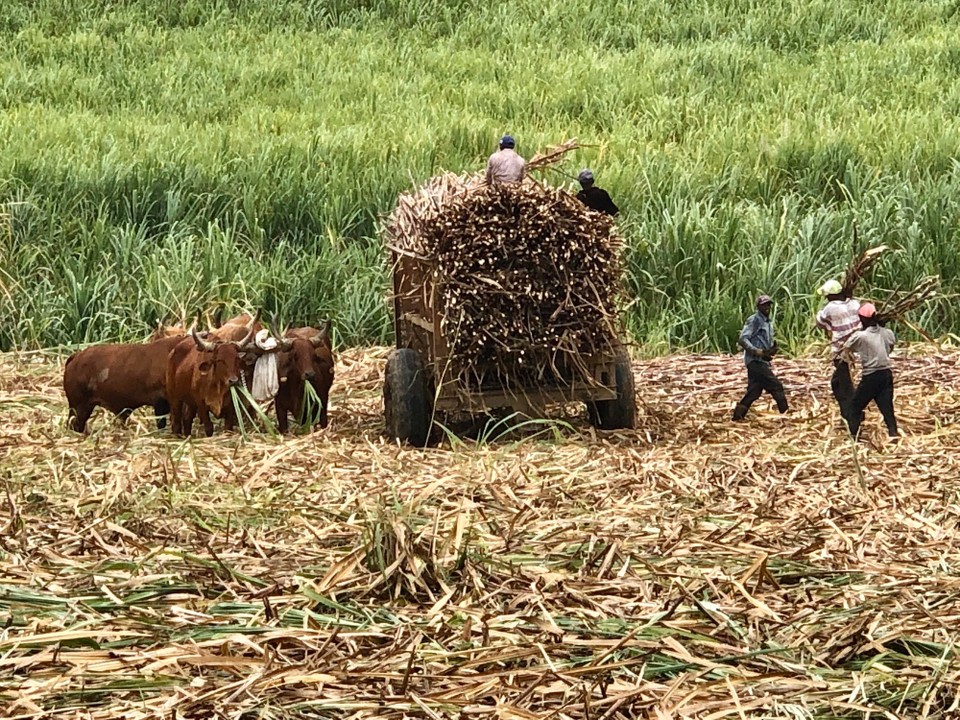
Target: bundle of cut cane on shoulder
{"points": [[899, 303], [861, 267], [529, 279]]}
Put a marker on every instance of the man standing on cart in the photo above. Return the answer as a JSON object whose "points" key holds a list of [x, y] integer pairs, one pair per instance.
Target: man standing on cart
{"points": [[506, 166], [593, 197]]}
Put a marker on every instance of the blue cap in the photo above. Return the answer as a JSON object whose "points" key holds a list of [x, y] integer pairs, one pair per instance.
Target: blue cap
{"points": [[507, 141], [585, 177]]}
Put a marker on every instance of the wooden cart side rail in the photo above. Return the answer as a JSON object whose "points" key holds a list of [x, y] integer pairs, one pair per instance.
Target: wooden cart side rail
{"points": [[601, 384], [415, 319], [522, 400], [397, 315]]}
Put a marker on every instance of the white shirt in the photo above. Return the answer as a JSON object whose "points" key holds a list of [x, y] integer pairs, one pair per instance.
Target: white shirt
{"points": [[840, 318]]}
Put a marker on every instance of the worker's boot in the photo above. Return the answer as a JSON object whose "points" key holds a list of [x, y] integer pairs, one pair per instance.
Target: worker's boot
{"points": [[781, 402], [853, 425], [740, 412]]}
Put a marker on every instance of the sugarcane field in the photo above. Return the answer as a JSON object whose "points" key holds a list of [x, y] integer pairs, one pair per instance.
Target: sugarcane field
{"points": [[522, 361]]}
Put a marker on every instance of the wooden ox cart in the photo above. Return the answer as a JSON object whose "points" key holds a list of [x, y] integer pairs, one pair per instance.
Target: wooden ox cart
{"points": [[424, 378]]}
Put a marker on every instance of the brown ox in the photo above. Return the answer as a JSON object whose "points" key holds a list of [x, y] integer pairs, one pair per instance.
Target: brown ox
{"points": [[166, 331], [162, 331], [306, 356], [234, 329], [200, 374], [120, 378]]}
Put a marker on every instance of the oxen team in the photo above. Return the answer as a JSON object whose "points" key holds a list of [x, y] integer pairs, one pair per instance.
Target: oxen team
{"points": [[189, 374]]}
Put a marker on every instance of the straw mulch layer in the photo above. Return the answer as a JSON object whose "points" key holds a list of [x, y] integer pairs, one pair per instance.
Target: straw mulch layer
{"points": [[692, 568]]}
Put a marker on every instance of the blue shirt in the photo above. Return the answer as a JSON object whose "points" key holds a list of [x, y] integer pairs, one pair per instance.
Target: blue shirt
{"points": [[757, 334]]}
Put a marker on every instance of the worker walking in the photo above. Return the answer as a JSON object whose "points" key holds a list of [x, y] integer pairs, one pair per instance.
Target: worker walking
{"points": [[594, 197], [756, 339], [874, 344], [506, 166], [840, 320]]}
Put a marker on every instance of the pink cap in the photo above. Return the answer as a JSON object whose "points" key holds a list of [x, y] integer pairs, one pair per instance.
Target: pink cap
{"points": [[867, 310]]}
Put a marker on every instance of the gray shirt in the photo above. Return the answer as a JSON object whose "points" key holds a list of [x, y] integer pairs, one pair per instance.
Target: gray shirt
{"points": [[757, 334], [874, 345], [505, 166]]}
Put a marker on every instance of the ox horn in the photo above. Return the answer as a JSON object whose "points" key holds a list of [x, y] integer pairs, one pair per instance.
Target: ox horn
{"points": [[250, 331], [285, 343], [218, 316], [324, 334], [201, 343]]}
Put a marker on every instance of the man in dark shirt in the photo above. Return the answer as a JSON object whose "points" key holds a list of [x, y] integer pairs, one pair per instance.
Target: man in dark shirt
{"points": [[594, 197]]}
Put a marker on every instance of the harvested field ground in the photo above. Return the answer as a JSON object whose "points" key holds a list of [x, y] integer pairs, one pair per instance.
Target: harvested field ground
{"points": [[693, 568]]}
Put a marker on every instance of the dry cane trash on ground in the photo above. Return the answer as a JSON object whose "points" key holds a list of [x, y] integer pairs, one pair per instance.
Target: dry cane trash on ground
{"points": [[693, 568]]}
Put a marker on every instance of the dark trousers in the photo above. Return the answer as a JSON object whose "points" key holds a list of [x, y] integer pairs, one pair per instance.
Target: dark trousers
{"points": [[878, 387], [760, 377], [841, 385]]}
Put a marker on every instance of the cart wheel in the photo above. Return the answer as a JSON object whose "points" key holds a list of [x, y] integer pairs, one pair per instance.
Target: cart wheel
{"points": [[406, 399], [620, 413]]}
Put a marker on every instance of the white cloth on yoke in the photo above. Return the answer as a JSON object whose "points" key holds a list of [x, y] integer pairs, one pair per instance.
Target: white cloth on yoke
{"points": [[266, 380]]}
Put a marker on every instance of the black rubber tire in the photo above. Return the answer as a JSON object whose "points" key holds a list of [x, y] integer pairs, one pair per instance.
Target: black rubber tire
{"points": [[406, 398], [620, 413]]}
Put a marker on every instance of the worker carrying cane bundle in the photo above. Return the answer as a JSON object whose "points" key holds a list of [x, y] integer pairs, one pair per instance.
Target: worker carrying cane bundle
{"points": [[840, 320], [873, 344]]}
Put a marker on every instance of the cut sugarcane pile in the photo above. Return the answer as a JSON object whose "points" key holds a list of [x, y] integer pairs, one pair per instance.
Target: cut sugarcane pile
{"points": [[526, 273]]}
